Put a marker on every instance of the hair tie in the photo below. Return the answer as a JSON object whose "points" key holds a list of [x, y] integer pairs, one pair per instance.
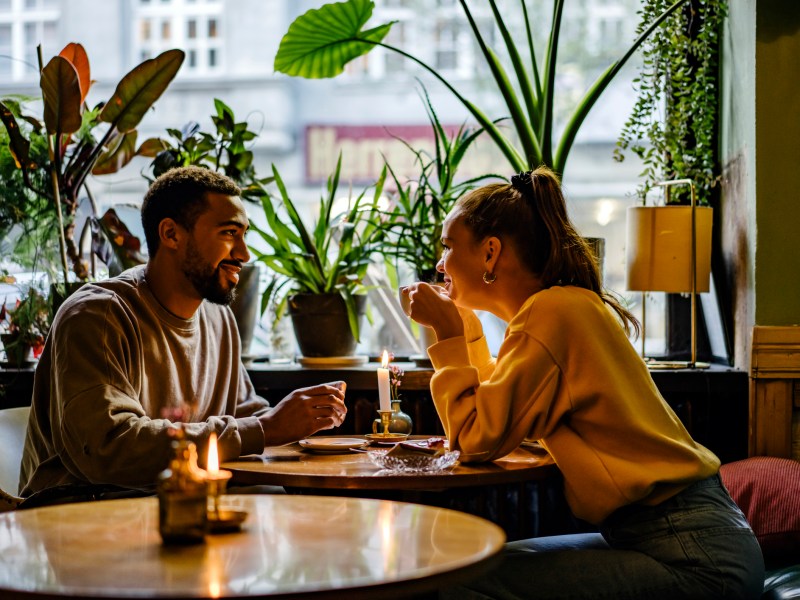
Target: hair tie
{"points": [[522, 181]]}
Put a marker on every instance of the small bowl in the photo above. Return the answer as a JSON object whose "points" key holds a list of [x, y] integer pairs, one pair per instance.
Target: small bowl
{"points": [[416, 463]]}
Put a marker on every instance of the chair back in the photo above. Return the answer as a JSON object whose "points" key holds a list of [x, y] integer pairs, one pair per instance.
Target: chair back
{"points": [[13, 426]]}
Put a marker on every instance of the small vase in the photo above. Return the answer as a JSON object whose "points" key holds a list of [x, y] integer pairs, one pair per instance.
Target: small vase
{"points": [[400, 422]]}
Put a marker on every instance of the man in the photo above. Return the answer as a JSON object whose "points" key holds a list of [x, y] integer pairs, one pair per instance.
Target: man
{"points": [[129, 356]]}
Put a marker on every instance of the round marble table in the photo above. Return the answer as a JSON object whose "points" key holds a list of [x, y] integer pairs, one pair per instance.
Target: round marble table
{"points": [[305, 546]]}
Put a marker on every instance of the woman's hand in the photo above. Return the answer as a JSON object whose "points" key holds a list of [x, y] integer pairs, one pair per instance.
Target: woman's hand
{"points": [[430, 305]]}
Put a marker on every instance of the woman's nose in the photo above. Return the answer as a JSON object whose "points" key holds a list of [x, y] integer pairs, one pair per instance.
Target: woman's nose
{"points": [[440, 265]]}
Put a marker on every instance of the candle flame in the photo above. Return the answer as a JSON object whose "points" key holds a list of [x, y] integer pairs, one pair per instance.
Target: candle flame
{"points": [[212, 464], [385, 359]]}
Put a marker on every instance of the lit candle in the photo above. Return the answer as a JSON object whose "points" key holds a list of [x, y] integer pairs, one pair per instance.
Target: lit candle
{"points": [[217, 479], [212, 464], [383, 383]]}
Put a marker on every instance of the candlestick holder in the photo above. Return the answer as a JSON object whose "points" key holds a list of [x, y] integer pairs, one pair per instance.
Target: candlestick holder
{"points": [[221, 520], [386, 436], [386, 419]]}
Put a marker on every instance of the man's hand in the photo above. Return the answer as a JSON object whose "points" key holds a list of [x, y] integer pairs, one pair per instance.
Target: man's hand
{"points": [[303, 412]]}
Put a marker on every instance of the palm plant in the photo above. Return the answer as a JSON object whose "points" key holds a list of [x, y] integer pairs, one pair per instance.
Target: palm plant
{"points": [[322, 41], [82, 140], [331, 258]]}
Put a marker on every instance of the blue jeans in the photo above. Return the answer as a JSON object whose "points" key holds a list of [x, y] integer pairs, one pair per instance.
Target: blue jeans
{"points": [[695, 545]]}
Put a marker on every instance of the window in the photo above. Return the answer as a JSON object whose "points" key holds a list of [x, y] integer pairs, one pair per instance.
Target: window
{"points": [[195, 27], [5, 50], [24, 24]]}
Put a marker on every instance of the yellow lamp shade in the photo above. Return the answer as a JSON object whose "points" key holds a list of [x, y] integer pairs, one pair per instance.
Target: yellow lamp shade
{"points": [[659, 248]]}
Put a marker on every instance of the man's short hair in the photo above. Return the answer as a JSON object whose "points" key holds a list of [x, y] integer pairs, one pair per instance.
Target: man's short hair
{"points": [[181, 194]]}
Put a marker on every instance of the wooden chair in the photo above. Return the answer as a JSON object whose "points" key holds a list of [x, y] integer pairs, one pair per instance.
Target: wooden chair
{"points": [[13, 425]]}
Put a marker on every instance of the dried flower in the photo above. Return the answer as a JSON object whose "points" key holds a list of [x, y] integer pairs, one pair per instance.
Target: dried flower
{"points": [[395, 379]]}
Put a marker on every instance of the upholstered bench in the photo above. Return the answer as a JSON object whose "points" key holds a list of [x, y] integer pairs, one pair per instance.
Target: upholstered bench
{"points": [[767, 489]]}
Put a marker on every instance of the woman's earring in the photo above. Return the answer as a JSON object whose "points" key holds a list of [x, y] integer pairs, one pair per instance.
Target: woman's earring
{"points": [[489, 278]]}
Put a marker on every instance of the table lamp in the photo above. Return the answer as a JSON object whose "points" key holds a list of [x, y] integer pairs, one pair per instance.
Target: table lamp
{"points": [[668, 249]]}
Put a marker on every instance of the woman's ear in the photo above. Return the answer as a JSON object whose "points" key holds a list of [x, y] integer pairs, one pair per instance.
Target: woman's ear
{"points": [[492, 248], [169, 233]]}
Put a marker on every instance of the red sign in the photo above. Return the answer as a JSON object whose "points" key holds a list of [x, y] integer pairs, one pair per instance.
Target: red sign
{"points": [[366, 148]]}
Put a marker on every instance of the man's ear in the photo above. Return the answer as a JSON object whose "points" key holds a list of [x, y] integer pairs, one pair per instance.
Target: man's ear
{"points": [[169, 233]]}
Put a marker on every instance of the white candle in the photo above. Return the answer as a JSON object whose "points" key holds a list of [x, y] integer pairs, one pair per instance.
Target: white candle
{"points": [[383, 383], [212, 464]]}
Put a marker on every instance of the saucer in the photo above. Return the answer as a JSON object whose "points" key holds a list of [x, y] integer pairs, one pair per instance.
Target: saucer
{"points": [[226, 520], [331, 445], [392, 437]]}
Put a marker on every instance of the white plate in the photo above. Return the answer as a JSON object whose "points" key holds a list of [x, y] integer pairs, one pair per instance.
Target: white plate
{"points": [[332, 444]]}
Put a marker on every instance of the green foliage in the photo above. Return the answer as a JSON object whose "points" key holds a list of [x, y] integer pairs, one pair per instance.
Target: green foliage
{"points": [[28, 222], [82, 140], [224, 150], [673, 125], [28, 321], [414, 221], [332, 257], [320, 42]]}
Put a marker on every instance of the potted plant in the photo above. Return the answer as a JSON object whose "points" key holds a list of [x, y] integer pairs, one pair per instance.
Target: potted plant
{"points": [[413, 221], [24, 326], [322, 41], [223, 150], [82, 140], [320, 272], [673, 129]]}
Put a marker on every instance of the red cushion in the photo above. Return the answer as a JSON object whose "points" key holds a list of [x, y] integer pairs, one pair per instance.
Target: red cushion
{"points": [[767, 489]]}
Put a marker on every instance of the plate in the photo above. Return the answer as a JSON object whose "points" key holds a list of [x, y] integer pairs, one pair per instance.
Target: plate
{"points": [[377, 438], [331, 445], [332, 361], [414, 463]]}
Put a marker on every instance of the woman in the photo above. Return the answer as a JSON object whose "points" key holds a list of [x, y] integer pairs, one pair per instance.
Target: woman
{"points": [[567, 376]]}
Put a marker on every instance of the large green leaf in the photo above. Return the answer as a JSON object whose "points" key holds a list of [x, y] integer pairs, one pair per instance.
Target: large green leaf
{"points": [[139, 89], [122, 149], [322, 41], [62, 96]]}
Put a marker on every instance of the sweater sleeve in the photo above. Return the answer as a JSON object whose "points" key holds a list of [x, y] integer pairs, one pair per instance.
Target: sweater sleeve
{"points": [[487, 417]]}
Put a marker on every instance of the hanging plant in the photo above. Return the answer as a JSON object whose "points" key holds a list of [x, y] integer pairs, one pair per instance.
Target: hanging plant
{"points": [[674, 123]]}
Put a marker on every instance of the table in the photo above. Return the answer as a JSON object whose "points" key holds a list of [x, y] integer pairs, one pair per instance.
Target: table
{"points": [[293, 467], [521, 492], [315, 547]]}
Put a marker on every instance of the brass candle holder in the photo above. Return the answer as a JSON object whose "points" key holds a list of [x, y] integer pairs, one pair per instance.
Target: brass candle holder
{"points": [[386, 436], [386, 419]]}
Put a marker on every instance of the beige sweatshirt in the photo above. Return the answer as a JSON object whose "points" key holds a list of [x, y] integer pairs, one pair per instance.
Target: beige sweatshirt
{"points": [[567, 376], [115, 359]]}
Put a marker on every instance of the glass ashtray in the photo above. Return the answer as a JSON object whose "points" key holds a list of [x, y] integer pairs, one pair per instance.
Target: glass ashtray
{"points": [[416, 463]]}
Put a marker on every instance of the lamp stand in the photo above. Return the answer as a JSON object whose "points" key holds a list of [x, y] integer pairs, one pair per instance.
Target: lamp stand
{"points": [[693, 363]]}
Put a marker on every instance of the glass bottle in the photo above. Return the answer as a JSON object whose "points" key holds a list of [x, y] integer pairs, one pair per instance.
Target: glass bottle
{"points": [[182, 496]]}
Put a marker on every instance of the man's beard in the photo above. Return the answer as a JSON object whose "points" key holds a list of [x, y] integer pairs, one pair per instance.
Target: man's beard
{"points": [[205, 278]]}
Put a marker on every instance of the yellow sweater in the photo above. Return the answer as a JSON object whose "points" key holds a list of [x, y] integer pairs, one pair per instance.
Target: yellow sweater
{"points": [[567, 376]]}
